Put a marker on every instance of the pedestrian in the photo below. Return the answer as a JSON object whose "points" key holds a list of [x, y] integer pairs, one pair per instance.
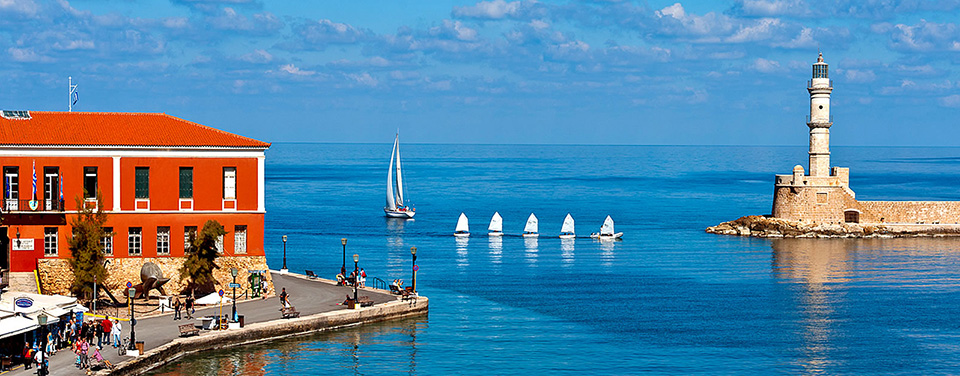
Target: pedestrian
{"points": [[283, 298], [190, 307], [116, 331], [363, 278], [41, 360], [176, 307], [84, 350], [107, 329], [27, 355], [98, 331]]}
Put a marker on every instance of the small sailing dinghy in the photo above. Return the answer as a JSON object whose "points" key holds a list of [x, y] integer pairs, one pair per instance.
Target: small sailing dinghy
{"points": [[496, 225], [567, 230], [532, 229], [463, 227], [395, 207], [606, 231]]}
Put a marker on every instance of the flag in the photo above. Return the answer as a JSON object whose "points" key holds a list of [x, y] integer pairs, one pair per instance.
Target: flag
{"points": [[61, 189], [76, 96], [34, 179]]}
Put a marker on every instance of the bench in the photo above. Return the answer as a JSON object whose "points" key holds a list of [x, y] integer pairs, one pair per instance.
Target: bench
{"points": [[288, 312], [365, 301], [394, 289], [188, 330], [311, 275]]}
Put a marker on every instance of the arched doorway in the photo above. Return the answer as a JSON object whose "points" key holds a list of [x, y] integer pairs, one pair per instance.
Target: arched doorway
{"points": [[851, 216]]}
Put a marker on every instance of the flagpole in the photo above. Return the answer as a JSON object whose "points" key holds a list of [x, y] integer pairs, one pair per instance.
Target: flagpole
{"points": [[70, 94]]}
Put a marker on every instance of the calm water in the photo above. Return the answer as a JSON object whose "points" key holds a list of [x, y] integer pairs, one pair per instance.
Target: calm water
{"points": [[667, 299]]}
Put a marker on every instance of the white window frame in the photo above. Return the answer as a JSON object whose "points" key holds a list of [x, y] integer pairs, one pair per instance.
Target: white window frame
{"points": [[229, 183], [135, 241], [240, 239], [219, 244], [186, 236], [163, 240], [107, 241], [50, 241]]}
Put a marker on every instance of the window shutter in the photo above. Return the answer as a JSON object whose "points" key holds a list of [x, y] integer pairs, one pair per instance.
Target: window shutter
{"points": [[142, 182], [186, 182]]}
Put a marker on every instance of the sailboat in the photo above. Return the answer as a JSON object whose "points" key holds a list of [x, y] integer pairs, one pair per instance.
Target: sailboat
{"points": [[395, 207], [606, 231], [496, 225], [532, 229], [567, 231], [463, 227]]}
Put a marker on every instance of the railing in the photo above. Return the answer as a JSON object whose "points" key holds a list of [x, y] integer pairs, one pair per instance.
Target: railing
{"points": [[379, 284], [810, 84], [41, 205], [809, 120]]}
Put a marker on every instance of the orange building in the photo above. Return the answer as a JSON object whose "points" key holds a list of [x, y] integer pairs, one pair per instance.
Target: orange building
{"points": [[159, 177]]}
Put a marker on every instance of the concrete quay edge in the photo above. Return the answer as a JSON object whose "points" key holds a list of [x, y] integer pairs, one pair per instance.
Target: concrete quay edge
{"points": [[268, 331]]}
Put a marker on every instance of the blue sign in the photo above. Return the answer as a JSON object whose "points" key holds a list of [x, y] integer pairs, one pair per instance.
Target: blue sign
{"points": [[129, 285], [235, 285], [220, 292], [23, 302]]}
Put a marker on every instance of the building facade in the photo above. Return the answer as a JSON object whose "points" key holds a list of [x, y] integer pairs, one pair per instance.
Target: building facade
{"points": [[824, 195], [159, 178]]}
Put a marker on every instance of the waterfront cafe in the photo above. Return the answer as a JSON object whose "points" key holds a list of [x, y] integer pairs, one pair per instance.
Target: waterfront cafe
{"points": [[20, 318]]}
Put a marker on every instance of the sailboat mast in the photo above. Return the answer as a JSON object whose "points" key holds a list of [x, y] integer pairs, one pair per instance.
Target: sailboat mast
{"points": [[399, 177]]}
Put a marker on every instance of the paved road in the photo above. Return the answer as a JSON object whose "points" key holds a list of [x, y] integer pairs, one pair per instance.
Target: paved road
{"points": [[309, 296]]}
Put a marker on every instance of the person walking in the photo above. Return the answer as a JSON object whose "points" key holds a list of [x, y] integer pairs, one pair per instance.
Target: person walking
{"points": [[176, 307], [116, 331], [190, 307], [283, 298], [107, 326], [363, 278], [27, 355]]}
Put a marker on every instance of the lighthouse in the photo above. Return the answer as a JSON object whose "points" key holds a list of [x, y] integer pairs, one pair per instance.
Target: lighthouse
{"points": [[819, 120]]}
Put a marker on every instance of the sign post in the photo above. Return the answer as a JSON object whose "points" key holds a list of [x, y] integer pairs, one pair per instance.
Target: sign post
{"points": [[132, 292]]}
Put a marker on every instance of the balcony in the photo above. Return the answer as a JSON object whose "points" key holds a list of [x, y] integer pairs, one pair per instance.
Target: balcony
{"points": [[32, 206], [810, 85]]}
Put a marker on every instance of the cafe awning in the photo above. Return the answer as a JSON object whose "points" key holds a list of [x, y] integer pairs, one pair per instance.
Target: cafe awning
{"points": [[13, 325]]}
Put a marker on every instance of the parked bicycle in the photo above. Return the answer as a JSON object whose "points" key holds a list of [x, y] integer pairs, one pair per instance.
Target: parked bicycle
{"points": [[123, 346]]}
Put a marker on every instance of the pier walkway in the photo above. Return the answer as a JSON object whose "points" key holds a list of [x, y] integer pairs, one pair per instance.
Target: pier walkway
{"points": [[309, 296]]}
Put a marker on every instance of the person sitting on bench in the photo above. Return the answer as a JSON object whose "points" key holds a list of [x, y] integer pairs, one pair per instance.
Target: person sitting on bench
{"points": [[347, 301]]}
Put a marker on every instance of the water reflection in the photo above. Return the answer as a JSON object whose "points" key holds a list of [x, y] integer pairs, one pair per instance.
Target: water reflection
{"points": [[496, 249], [607, 249], [531, 245], [462, 243], [566, 251], [385, 348]]}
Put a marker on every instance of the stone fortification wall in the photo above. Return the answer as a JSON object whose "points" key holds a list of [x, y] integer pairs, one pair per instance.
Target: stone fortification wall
{"points": [[812, 204], [56, 277], [929, 212]]}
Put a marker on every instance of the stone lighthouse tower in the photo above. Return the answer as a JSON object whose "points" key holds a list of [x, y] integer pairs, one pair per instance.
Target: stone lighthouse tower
{"points": [[819, 120]]}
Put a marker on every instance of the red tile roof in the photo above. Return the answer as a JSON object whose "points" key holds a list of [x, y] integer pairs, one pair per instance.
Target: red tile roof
{"points": [[45, 128]]}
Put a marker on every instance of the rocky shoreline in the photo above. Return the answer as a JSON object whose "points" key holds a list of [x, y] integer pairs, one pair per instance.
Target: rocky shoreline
{"points": [[768, 227]]}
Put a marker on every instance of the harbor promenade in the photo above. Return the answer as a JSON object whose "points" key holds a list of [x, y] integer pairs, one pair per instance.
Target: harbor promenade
{"points": [[315, 299]]}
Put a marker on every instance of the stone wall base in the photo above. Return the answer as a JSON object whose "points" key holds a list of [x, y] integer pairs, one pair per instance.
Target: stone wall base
{"points": [[56, 277]]}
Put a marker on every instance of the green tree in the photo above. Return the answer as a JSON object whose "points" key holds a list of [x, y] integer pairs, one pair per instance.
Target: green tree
{"points": [[86, 249], [202, 255]]}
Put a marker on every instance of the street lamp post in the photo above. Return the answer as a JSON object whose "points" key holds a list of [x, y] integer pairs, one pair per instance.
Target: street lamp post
{"points": [[356, 277], [233, 272], [343, 268], [42, 319], [284, 268], [131, 292], [413, 252]]}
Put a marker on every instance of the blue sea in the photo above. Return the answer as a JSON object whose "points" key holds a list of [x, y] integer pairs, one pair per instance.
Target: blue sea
{"points": [[667, 299]]}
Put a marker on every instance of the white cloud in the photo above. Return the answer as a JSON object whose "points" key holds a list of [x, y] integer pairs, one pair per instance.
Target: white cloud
{"points": [[257, 57], [859, 76], [24, 7], [764, 29], [766, 66], [26, 55], [364, 79], [950, 101], [296, 71], [495, 9]]}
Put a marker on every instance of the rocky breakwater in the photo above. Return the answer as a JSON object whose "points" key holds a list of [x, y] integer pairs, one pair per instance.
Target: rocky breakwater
{"points": [[768, 227]]}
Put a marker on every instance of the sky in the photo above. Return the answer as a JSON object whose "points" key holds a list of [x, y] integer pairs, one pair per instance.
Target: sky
{"points": [[497, 71]]}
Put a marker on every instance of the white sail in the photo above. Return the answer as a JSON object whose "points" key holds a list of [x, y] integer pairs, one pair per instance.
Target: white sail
{"points": [[399, 177], [533, 225], [462, 224], [607, 228], [496, 223], [567, 227], [391, 204]]}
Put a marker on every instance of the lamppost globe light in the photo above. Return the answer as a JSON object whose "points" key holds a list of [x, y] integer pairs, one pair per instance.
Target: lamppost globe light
{"points": [[284, 238], [413, 250], [356, 257], [233, 271], [343, 241]]}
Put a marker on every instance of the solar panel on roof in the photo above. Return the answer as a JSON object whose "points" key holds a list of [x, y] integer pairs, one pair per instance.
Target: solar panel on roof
{"points": [[16, 114]]}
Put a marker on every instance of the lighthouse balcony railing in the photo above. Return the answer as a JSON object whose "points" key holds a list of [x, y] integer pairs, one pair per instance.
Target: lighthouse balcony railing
{"points": [[810, 120], [29, 206], [810, 84]]}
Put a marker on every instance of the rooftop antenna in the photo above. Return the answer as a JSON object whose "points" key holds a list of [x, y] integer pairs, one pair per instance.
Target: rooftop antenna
{"points": [[72, 96]]}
